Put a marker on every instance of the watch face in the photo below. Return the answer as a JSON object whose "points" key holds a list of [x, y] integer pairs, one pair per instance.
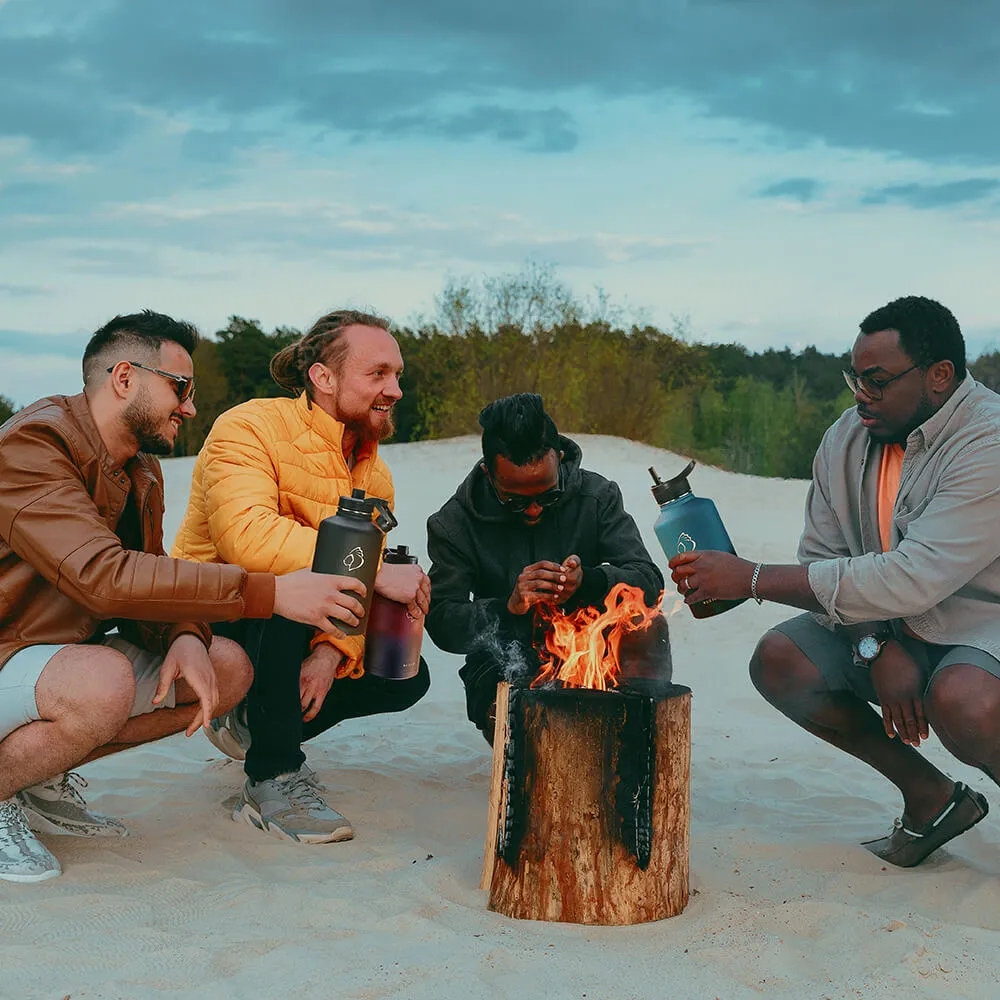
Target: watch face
{"points": [[868, 647]]}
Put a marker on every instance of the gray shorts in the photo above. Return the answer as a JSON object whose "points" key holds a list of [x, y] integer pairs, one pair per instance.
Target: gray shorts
{"points": [[833, 655], [20, 674]]}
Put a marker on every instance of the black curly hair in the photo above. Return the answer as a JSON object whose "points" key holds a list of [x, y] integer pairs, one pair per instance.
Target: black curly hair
{"points": [[928, 331], [518, 428]]}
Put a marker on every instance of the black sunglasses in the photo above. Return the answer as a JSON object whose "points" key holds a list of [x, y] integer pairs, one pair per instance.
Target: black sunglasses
{"points": [[872, 388], [183, 384], [517, 503]]}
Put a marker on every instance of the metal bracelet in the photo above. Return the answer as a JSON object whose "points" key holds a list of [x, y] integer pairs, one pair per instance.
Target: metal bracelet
{"points": [[753, 583]]}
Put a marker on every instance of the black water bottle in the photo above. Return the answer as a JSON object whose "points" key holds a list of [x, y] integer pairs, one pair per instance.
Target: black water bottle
{"points": [[349, 543]]}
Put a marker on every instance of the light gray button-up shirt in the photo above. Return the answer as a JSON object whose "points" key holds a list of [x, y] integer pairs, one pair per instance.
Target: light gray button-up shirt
{"points": [[941, 575]]}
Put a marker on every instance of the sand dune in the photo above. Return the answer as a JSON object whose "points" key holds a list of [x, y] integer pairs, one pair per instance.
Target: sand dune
{"points": [[785, 905]]}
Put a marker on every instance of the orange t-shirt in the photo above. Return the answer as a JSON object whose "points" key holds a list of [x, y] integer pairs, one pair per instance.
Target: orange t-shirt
{"points": [[888, 486]]}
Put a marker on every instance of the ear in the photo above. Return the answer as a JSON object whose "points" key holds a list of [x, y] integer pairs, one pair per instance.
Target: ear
{"points": [[942, 374], [322, 378], [120, 379]]}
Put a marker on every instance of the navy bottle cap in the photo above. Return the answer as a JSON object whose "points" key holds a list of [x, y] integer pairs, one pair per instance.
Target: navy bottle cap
{"points": [[399, 555], [356, 503], [664, 492]]}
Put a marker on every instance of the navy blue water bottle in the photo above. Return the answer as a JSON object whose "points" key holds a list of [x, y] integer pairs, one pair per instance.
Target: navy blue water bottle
{"points": [[687, 522]]}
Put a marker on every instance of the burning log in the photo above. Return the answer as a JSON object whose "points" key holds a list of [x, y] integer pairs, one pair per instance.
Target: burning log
{"points": [[589, 799]]}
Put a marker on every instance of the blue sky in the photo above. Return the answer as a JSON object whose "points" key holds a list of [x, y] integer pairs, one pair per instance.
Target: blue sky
{"points": [[771, 170]]}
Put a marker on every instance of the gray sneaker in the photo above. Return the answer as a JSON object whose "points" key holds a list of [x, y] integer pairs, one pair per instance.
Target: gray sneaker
{"points": [[230, 734], [289, 806], [56, 806], [23, 857]]}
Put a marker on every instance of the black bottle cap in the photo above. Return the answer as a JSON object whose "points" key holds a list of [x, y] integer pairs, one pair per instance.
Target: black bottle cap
{"points": [[664, 492], [399, 555], [356, 503]]}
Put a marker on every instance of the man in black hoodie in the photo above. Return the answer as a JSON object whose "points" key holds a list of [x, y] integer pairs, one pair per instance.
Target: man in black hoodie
{"points": [[527, 526]]}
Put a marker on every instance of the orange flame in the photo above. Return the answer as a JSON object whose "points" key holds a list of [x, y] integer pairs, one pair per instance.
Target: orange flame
{"points": [[584, 646]]}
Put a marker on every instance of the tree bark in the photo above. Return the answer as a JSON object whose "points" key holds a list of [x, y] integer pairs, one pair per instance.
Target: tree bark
{"points": [[564, 842]]}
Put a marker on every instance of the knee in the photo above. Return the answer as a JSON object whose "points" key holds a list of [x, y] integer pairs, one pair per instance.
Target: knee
{"points": [[233, 671], [103, 703], [964, 700], [778, 668]]}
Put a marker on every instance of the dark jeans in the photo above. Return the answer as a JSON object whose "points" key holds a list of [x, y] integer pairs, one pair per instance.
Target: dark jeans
{"points": [[485, 668], [277, 647]]}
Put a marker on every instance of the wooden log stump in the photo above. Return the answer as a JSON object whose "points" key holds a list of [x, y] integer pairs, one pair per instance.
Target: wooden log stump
{"points": [[589, 806]]}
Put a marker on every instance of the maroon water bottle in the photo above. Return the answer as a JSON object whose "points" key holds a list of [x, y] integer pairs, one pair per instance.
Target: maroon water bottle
{"points": [[392, 642]]}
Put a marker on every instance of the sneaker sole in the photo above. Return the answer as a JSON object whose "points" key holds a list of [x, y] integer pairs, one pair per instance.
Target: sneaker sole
{"points": [[246, 813], [223, 739], [42, 824], [41, 877]]}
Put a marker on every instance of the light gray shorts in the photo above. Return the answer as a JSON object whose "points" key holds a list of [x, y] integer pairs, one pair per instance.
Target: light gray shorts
{"points": [[20, 674], [833, 655]]}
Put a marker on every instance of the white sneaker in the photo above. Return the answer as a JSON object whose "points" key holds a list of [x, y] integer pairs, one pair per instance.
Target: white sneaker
{"points": [[290, 807], [23, 857], [56, 806], [230, 734]]}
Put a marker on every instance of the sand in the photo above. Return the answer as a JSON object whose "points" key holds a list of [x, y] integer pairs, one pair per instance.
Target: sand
{"points": [[784, 904]]}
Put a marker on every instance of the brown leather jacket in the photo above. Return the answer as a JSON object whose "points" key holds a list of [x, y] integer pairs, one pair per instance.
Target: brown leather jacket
{"points": [[64, 573]]}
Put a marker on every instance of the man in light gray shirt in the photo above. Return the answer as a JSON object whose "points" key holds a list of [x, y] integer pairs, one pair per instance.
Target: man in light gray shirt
{"points": [[899, 567]]}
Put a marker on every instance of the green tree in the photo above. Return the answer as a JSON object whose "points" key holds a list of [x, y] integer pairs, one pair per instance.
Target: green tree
{"points": [[7, 409]]}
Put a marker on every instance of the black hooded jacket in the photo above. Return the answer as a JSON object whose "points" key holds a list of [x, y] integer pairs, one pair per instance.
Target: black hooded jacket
{"points": [[478, 549]]}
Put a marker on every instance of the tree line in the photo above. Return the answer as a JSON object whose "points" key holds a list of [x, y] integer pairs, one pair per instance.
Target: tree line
{"points": [[599, 370]]}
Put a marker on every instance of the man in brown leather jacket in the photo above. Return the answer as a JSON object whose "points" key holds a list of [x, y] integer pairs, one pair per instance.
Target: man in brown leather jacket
{"points": [[81, 554]]}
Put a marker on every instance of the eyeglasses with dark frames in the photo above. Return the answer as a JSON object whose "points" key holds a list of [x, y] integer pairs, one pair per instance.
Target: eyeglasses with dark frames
{"points": [[183, 384], [518, 503], [871, 387]]}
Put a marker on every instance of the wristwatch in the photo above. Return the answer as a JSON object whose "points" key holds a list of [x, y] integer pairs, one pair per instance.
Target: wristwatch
{"points": [[868, 648]]}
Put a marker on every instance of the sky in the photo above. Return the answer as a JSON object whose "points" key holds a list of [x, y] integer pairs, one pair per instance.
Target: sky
{"points": [[766, 171]]}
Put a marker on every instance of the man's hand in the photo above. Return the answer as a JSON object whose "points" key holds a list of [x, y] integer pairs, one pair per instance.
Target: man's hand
{"points": [[187, 657], [319, 599], [573, 571], [540, 583], [899, 684], [711, 576], [316, 678], [405, 583]]}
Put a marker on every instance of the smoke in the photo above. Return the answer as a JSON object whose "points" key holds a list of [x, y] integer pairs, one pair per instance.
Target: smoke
{"points": [[508, 653]]}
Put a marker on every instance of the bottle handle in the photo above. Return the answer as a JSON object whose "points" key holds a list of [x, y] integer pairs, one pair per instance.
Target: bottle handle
{"points": [[385, 521]]}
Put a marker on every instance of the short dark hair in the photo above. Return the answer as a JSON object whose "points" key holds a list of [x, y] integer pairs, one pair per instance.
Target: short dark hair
{"points": [[928, 331], [518, 428], [144, 331]]}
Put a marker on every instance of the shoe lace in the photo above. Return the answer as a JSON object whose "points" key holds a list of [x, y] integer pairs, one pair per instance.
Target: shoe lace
{"points": [[13, 825], [301, 790], [70, 786]]}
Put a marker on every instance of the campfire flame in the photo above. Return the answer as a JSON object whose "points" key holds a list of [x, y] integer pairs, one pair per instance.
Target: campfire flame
{"points": [[584, 646]]}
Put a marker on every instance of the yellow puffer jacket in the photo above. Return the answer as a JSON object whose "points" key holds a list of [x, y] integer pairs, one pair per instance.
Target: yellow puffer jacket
{"points": [[269, 471]]}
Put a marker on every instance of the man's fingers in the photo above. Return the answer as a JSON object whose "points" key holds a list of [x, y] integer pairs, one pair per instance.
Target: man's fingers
{"points": [[923, 729], [890, 727], [329, 626], [168, 674]]}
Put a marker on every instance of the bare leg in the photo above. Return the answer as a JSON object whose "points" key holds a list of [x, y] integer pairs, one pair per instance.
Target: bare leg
{"points": [[233, 674], [84, 696], [788, 680]]}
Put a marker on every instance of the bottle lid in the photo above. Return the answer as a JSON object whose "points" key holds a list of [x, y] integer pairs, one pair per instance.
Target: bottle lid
{"points": [[356, 503], [664, 492], [399, 555]]}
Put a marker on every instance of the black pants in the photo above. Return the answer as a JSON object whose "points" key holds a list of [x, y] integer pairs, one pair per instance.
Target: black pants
{"points": [[485, 668], [277, 647]]}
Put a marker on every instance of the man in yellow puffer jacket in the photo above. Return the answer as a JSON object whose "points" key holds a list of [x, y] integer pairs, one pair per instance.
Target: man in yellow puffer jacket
{"points": [[269, 472]]}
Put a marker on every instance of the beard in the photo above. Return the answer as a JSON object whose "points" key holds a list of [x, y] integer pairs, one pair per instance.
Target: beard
{"points": [[364, 430], [143, 426]]}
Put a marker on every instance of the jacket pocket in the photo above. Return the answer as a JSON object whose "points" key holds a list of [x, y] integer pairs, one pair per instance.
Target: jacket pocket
{"points": [[905, 515]]}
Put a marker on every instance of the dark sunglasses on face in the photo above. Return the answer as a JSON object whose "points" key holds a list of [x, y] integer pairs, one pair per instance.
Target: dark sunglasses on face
{"points": [[872, 388], [183, 384], [517, 503]]}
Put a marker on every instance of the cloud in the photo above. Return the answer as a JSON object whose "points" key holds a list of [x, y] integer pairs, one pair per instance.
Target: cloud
{"points": [[934, 195], [22, 291], [803, 189], [83, 78]]}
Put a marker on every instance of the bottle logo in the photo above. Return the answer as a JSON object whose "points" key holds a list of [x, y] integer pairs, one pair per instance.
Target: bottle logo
{"points": [[354, 559], [685, 543]]}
